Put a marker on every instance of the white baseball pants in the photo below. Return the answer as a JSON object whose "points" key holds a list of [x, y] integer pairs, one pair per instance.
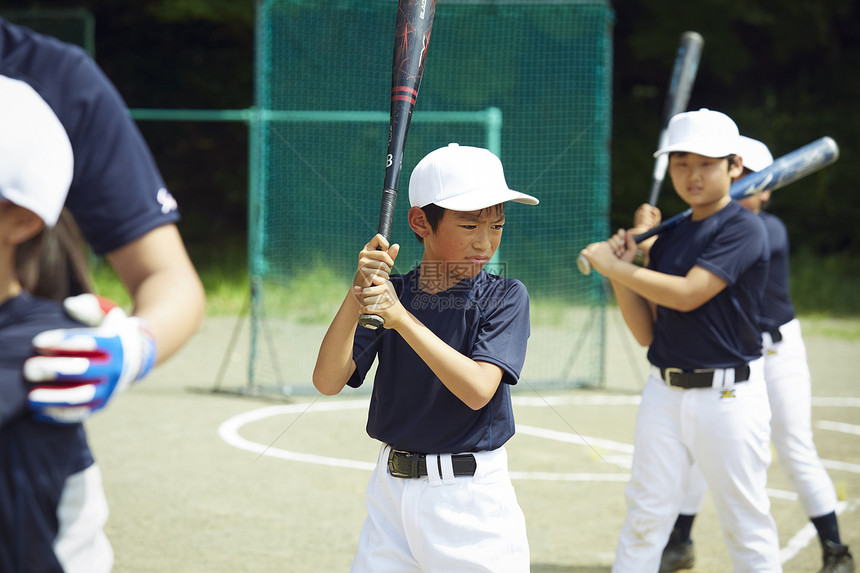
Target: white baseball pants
{"points": [[443, 524], [789, 392], [81, 545], [727, 433]]}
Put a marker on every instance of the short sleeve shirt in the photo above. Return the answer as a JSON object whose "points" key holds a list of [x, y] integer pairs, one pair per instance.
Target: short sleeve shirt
{"points": [[485, 318], [117, 193], [36, 457], [724, 332], [777, 308]]}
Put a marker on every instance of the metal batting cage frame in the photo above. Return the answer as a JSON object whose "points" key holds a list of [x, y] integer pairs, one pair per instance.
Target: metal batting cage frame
{"points": [[530, 80]]}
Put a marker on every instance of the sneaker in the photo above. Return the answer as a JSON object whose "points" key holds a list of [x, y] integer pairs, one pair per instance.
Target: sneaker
{"points": [[837, 559], [678, 555]]}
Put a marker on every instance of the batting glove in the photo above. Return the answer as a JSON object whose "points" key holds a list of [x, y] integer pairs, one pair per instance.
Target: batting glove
{"points": [[78, 370]]}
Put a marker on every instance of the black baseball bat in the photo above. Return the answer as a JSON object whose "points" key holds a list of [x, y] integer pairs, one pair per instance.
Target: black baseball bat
{"points": [[787, 169], [411, 38], [677, 97]]}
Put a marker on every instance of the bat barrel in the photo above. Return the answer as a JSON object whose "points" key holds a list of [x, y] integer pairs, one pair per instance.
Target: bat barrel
{"points": [[683, 74], [412, 36], [788, 168], [677, 97]]}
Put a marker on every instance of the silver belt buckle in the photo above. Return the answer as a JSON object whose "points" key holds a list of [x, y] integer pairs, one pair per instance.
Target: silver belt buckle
{"points": [[667, 376], [392, 466]]}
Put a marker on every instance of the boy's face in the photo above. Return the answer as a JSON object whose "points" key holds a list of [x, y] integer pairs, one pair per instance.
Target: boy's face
{"points": [[701, 181], [465, 241]]}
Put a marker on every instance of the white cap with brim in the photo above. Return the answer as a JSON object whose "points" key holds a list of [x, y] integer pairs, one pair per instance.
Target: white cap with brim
{"points": [[755, 154], [36, 161], [462, 178], [706, 132]]}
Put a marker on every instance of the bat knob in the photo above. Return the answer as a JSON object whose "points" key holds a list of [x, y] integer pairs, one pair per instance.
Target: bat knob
{"points": [[583, 265], [371, 321]]}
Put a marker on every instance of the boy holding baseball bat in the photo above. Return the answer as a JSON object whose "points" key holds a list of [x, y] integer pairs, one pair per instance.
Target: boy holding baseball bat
{"points": [[696, 307], [789, 394], [440, 498]]}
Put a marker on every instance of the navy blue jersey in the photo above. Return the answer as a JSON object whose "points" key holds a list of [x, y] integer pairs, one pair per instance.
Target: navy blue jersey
{"points": [[777, 308], [724, 332], [485, 318], [36, 458], [117, 194]]}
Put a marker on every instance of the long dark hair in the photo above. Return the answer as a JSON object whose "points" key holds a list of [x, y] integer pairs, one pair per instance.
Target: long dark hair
{"points": [[53, 264]]}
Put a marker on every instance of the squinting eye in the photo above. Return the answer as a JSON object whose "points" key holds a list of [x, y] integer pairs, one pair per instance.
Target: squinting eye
{"points": [[498, 227]]}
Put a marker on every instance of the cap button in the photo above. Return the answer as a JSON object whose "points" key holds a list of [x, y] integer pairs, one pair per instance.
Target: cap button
{"points": [[453, 145]]}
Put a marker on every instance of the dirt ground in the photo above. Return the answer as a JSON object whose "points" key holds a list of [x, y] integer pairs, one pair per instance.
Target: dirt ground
{"points": [[203, 481]]}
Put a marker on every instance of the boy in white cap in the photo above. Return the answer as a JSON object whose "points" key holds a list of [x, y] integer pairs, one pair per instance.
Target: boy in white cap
{"points": [[696, 307], [52, 505], [789, 392], [440, 498]]}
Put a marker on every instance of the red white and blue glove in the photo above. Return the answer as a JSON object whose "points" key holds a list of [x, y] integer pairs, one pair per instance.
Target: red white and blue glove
{"points": [[78, 370]]}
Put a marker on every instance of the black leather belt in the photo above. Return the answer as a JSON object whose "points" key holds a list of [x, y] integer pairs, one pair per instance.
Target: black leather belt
{"points": [[410, 465], [699, 378], [775, 335]]}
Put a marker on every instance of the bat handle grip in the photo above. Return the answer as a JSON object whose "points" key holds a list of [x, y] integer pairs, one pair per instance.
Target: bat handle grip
{"points": [[386, 211], [386, 214]]}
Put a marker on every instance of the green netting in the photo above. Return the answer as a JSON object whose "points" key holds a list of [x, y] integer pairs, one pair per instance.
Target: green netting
{"points": [[530, 80], [73, 25]]}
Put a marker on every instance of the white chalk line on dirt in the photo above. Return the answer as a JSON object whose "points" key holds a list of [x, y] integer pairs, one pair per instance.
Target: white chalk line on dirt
{"points": [[229, 432], [839, 427], [804, 537]]}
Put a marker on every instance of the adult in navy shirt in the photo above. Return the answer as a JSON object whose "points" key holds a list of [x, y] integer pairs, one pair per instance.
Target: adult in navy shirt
{"points": [[122, 206], [453, 341]]}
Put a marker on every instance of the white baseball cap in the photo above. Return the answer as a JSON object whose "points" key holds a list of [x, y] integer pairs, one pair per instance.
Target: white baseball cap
{"points": [[706, 132], [36, 160], [462, 178], [755, 154]]}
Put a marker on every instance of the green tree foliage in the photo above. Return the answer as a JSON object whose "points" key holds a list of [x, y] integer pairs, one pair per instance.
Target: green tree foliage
{"points": [[785, 70]]}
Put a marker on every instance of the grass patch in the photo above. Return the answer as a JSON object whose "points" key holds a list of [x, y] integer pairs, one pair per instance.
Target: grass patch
{"points": [[824, 291], [825, 285], [313, 297], [845, 328], [108, 285]]}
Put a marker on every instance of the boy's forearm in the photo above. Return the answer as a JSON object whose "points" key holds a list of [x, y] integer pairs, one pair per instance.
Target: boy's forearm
{"points": [[659, 288], [682, 293], [637, 313], [474, 383], [334, 363]]}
